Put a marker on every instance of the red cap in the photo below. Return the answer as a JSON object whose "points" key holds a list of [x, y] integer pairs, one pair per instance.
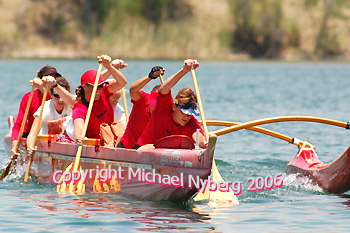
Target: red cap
{"points": [[153, 98], [90, 76]]}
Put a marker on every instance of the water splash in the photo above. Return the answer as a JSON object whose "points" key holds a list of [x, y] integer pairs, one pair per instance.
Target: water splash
{"points": [[299, 182]]}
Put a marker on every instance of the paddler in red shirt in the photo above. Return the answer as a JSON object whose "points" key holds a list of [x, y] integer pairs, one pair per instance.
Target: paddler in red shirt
{"points": [[102, 110], [143, 104], [34, 105], [174, 118]]}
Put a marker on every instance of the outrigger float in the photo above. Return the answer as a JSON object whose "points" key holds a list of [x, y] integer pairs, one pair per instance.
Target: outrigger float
{"points": [[333, 177]]}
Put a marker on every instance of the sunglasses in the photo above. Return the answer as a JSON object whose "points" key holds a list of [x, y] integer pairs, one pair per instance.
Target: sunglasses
{"points": [[98, 87], [56, 96]]}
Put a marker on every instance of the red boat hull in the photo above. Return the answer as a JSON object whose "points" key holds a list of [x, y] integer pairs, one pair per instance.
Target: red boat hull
{"points": [[333, 177], [179, 171]]}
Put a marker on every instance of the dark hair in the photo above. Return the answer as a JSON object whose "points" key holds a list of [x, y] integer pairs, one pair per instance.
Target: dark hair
{"points": [[156, 88], [63, 83], [81, 96], [186, 95], [47, 70]]}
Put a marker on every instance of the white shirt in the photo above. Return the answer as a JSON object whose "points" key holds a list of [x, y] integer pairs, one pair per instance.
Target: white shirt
{"points": [[50, 113], [119, 113]]}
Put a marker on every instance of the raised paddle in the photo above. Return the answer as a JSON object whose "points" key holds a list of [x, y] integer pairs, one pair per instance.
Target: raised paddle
{"points": [[212, 195], [280, 119], [125, 104], [78, 187], [37, 130], [13, 161], [161, 78]]}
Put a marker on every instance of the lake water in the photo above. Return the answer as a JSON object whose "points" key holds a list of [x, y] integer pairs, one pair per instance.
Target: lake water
{"points": [[234, 91]]}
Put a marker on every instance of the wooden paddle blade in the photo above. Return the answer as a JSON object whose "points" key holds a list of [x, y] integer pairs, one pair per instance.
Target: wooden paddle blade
{"points": [[13, 161], [220, 196], [217, 196], [26, 176], [9, 167], [74, 187], [202, 195]]}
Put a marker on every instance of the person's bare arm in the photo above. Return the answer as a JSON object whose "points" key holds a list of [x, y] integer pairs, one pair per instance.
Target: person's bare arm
{"points": [[66, 96], [170, 82], [32, 135], [119, 79], [78, 130], [105, 73], [135, 88]]}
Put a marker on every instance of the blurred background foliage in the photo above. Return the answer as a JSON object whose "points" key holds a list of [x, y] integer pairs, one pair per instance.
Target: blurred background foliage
{"points": [[176, 29]]}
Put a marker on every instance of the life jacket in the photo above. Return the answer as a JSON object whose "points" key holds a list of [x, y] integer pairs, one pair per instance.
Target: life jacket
{"points": [[111, 134]]}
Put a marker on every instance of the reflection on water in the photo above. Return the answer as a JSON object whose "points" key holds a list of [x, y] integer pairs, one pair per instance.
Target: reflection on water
{"points": [[345, 196], [150, 216]]}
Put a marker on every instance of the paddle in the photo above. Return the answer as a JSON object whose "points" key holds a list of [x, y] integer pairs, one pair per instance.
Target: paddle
{"points": [[79, 188], [161, 78], [213, 195], [13, 161], [37, 130], [125, 104], [280, 119]]}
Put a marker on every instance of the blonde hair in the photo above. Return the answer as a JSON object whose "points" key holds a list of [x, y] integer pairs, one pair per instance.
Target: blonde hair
{"points": [[186, 95]]}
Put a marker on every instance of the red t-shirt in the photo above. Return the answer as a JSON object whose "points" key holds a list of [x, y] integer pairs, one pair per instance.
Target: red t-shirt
{"points": [[34, 105], [138, 120], [162, 124], [102, 112]]}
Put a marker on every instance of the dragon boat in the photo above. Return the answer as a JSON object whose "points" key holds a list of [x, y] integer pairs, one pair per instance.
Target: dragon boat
{"points": [[174, 171]]}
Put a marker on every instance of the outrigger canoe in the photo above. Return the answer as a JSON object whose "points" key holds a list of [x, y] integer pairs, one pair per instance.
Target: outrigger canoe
{"points": [[171, 172], [333, 177]]}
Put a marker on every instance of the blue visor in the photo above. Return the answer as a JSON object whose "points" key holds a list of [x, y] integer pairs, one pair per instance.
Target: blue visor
{"points": [[189, 108]]}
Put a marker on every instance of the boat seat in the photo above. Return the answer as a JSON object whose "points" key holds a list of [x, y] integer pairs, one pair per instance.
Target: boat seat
{"points": [[175, 142]]}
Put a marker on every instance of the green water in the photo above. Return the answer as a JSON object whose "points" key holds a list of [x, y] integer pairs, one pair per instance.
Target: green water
{"points": [[230, 91]]}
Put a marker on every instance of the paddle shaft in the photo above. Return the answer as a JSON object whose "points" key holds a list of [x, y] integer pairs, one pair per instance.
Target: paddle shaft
{"points": [[280, 119], [37, 130], [125, 104], [14, 157], [24, 119], [161, 78], [215, 172], [199, 101]]}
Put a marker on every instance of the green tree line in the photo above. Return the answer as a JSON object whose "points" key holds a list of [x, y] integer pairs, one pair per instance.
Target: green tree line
{"points": [[258, 28]]}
